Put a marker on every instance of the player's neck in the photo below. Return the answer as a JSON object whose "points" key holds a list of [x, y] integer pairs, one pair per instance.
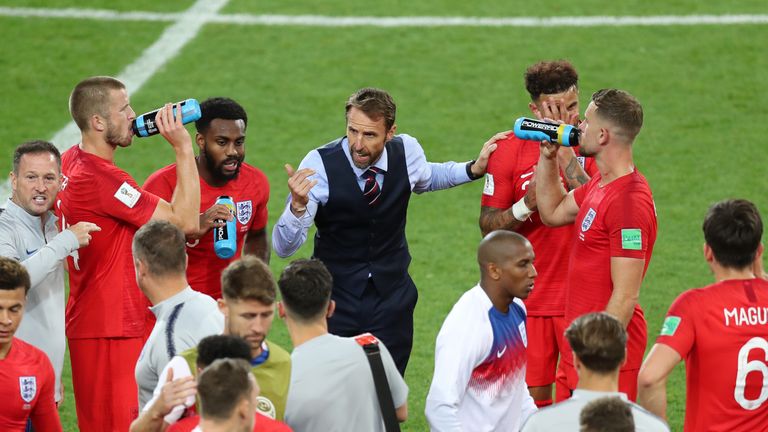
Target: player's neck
{"points": [[598, 382], [615, 161], [158, 290], [498, 296], [218, 426], [728, 273], [5, 349], [95, 145], [304, 332]]}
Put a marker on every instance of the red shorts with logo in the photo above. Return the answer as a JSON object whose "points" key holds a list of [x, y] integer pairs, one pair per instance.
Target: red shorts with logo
{"points": [[545, 334]]}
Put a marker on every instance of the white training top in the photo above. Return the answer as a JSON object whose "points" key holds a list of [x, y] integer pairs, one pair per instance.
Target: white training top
{"points": [[41, 252], [182, 321], [479, 381]]}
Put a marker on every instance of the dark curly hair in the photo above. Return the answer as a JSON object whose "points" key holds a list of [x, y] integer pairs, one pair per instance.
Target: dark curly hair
{"points": [[549, 77]]}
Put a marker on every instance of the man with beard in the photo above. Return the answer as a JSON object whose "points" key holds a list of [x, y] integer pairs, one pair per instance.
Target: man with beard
{"points": [[106, 314], [221, 139], [356, 190], [615, 231]]}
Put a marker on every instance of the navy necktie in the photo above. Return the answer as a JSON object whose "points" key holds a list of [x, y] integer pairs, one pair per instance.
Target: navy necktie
{"points": [[371, 190]]}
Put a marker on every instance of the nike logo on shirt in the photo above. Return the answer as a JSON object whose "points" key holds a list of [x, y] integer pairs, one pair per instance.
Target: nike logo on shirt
{"points": [[501, 353], [526, 174], [30, 252]]}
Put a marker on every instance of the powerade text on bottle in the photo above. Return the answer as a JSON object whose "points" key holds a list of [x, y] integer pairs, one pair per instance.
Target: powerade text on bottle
{"points": [[537, 130], [225, 237], [145, 125]]}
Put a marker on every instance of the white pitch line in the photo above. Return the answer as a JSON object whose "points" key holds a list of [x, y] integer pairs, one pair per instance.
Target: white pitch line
{"points": [[136, 74], [412, 21]]}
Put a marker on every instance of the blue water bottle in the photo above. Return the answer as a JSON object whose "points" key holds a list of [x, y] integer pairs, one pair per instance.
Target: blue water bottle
{"points": [[145, 125], [225, 237], [537, 130]]}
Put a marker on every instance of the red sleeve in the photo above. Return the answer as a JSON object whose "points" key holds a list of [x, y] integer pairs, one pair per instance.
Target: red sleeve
{"points": [[45, 415], [678, 331], [122, 199], [260, 212], [630, 223], [499, 188], [158, 183]]}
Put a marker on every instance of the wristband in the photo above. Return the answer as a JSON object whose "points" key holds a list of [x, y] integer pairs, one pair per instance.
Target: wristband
{"points": [[520, 211], [469, 170]]}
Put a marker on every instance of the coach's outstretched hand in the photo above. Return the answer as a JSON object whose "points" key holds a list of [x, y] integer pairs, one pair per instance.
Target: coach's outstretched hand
{"points": [[82, 231], [300, 185], [481, 163]]}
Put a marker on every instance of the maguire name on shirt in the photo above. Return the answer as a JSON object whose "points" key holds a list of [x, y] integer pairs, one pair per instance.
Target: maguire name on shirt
{"points": [[741, 316]]}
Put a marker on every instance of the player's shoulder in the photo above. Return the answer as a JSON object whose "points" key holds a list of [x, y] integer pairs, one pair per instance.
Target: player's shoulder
{"points": [[277, 354], [166, 172], [252, 174], [28, 353], [646, 420], [469, 311]]}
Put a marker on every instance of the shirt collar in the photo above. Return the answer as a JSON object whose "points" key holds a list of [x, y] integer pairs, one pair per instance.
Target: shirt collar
{"points": [[168, 304], [592, 394], [381, 163], [30, 221]]}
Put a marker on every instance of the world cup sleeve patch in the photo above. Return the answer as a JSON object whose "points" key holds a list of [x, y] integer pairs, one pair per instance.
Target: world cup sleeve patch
{"points": [[127, 195], [632, 239], [670, 325], [488, 189]]}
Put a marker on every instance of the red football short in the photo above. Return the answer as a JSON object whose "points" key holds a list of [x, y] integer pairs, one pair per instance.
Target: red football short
{"points": [[104, 383], [545, 334]]}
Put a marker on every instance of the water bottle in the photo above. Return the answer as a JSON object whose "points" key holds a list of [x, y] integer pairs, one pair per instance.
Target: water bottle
{"points": [[145, 125], [537, 130], [225, 237]]}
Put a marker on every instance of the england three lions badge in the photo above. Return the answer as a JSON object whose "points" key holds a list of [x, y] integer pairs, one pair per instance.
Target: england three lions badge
{"points": [[588, 219], [244, 211], [27, 388]]}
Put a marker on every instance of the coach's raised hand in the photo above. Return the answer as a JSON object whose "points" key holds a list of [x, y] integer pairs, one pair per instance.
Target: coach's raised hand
{"points": [[300, 185]]}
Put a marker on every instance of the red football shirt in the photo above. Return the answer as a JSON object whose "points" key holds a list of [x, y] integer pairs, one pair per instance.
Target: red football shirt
{"points": [[104, 300], [510, 171], [262, 424], [720, 331], [26, 389], [615, 220], [249, 191]]}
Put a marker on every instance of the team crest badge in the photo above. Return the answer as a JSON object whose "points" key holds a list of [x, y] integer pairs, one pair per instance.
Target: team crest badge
{"points": [[581, 160], [28, 388], [588, 219], [244, 212]]}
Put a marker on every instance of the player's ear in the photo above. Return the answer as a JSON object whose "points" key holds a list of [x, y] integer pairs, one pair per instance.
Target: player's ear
{"points": [[200, 140], [534, 109], [12, 176], [97, 123], [331, 309], [222, 306], [280, 310], [709, 256], [391, 132], [493, 271]]}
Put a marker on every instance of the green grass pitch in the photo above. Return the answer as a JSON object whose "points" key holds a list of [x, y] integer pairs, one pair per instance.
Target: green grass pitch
{"points": [[703, 89]]}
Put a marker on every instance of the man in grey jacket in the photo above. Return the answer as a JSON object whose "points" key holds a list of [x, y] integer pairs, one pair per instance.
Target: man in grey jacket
{"points": [[29, 235]]}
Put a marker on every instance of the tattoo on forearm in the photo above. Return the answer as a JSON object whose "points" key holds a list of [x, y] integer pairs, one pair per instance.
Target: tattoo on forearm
{"points": [[574, 172], [493, 219]]}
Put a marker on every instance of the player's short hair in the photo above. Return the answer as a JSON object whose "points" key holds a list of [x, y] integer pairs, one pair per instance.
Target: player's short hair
{"points": [[620, 109], [733, 229], [248, 278], [34, 147], [214, 347], [222, 386], [598, 340], [161, 245], [607, 414], [13, 275], [219, 108], [305, 287], [375, 103], [550, 77], [91, 96]]}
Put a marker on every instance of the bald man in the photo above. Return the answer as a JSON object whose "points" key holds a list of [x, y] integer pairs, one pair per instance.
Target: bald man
{"points": [[479, 380]]}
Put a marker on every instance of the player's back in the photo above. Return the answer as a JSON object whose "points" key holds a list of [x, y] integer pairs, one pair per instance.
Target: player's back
{"points": [[727, 374], [104, 299]]}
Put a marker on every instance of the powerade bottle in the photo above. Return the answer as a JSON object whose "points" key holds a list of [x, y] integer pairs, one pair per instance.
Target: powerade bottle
{"points": [[537, 130], [145, 125], [225, 237]]}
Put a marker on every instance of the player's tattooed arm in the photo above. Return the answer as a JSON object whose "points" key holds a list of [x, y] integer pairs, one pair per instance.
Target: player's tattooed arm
{"points": [[492, 219], [575, 175]]}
